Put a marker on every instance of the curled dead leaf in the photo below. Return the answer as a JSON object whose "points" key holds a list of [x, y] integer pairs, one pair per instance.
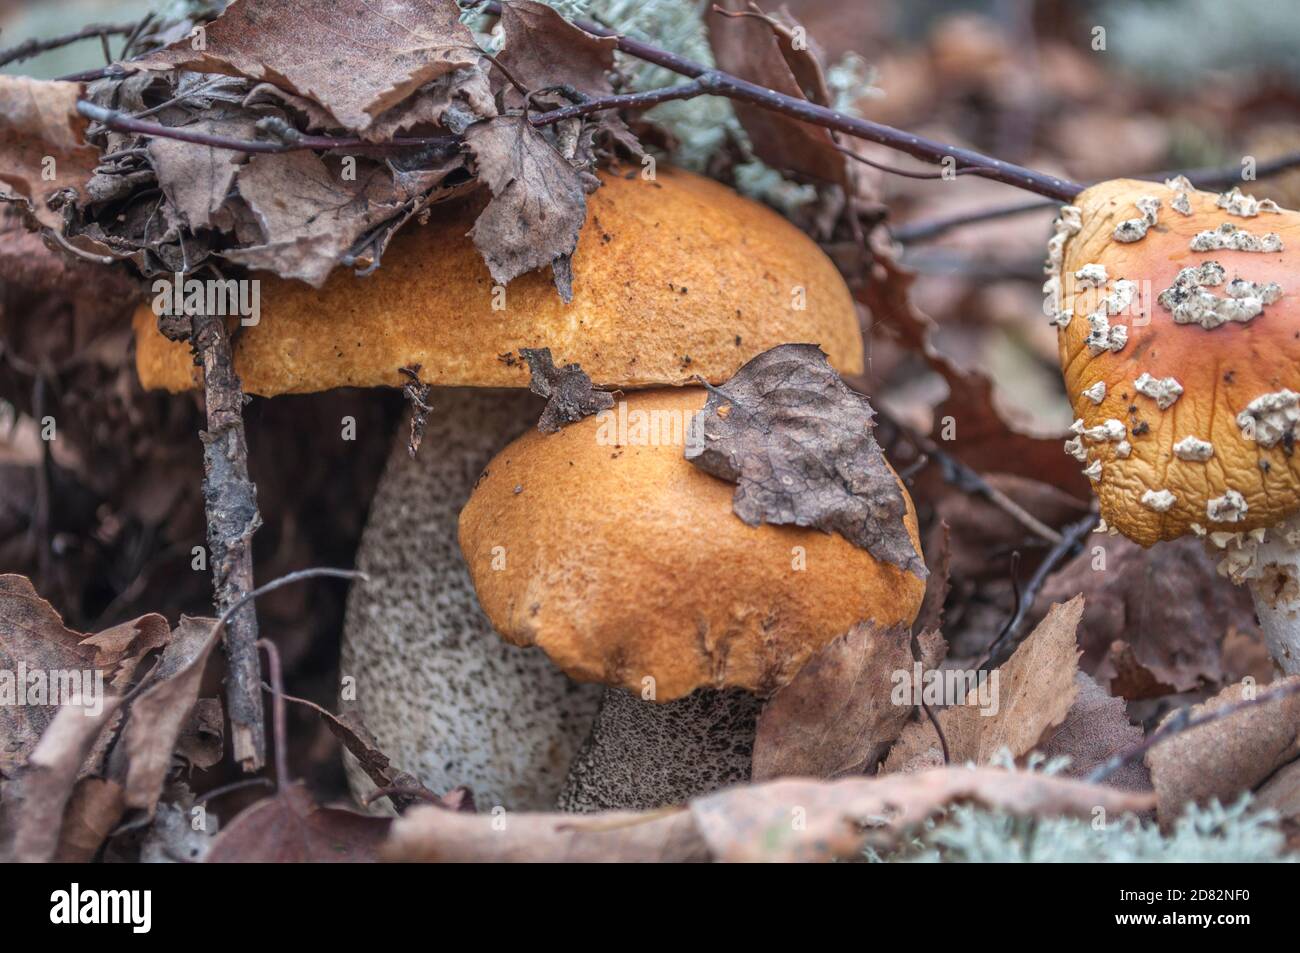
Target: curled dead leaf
{"points": [[798, 445], [1224, 757], [789, 820], [837, 716], [42, 152]]}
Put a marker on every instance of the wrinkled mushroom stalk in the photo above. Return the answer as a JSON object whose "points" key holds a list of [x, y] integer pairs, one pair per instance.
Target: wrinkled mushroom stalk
{"points": [[444, 697], [1269, 563], [643, 754]]}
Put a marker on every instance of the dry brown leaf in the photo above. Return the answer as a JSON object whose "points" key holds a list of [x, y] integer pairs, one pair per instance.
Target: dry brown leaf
{"points": [[361, 744], [356, 58], [1095, 729], [539, 202], [1281, 793], [543, 49], [569, 393], [1225, 757], [291, 828], [41, 147], [93, 812], [162, 710], [1035, 689], [196, 178], [34, 800], [837, 716], [202, 737], [798, 444], [789, 820], [938, 559], [750, 48], [1156, 601], [454, 101], [309, 213], [34, 638]]}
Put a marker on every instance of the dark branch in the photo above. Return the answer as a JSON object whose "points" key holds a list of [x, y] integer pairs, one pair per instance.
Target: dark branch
{"points": [[623, 101], [1005, 644], [1212, 178], [25, 51], [230, 501], [124, 122], [719, 83]]}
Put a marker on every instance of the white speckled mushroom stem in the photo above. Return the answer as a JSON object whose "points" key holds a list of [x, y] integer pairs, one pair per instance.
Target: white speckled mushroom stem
{"points": [[643, 755], [1275, 586], [444, 696]]}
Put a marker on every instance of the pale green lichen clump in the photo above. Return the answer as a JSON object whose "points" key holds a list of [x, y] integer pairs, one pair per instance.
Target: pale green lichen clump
{"points": [[1212, 834]]}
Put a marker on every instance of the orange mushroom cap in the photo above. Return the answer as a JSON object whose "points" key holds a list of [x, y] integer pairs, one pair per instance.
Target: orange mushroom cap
{"points": [[1180, 344]]}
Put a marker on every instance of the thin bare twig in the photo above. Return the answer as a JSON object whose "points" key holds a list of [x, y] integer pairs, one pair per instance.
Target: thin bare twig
{"points": [[1010, 637], [906, 173], [1209, 178], [934, 723], [231, 788], [34, 47], [124, 122], [719, 83], [243, 601], [417, 792], [957, 472], [57, 237], [643, 100], [298, 575], [279, 722]]}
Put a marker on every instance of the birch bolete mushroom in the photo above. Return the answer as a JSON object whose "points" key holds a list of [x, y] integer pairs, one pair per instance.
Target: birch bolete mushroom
{"points": [[602, 545], [672, 278], [1180, 344]]}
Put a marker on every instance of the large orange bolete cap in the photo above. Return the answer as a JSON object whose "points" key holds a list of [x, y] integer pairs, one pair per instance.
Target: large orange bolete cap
{"points": [[672, 278], [1180, 342]]}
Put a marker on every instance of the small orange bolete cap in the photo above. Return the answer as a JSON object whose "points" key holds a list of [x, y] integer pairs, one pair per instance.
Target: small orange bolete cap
{"points": [[1180, 343], [624, 562]]}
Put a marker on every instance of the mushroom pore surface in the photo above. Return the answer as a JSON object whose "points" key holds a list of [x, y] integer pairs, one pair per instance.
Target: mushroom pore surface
{"points": [[444, 697]]}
